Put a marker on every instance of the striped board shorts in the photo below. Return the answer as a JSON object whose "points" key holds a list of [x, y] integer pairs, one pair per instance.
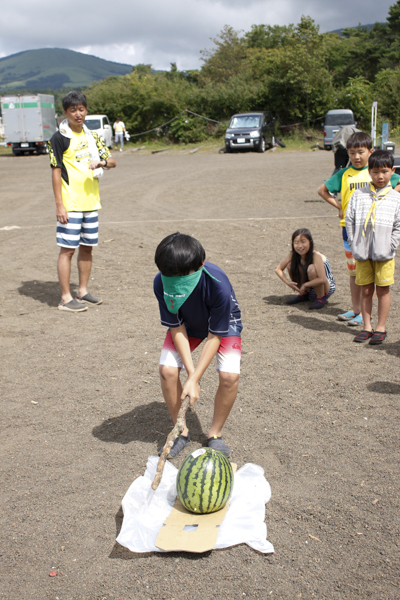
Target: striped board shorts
{"points": [[82, 229], [228, 355]]}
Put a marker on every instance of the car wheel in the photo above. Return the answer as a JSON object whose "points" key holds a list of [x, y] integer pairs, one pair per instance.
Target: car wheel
{"points": [[261, 147], [16, 152], [228, 150]]}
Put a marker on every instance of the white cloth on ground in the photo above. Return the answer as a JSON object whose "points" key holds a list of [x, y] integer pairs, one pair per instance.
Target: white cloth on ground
{"points": [[145, 511]]}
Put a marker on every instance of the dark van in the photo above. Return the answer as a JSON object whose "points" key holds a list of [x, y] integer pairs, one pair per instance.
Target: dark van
{"points": [[254, 131], [334, 121]]}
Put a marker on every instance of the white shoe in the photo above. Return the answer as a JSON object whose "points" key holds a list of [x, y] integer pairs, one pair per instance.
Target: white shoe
{"points": [[120, 149]]}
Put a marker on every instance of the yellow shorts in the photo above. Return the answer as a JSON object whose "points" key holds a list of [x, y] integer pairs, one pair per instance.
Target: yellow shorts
{"points": [[372, 271]]}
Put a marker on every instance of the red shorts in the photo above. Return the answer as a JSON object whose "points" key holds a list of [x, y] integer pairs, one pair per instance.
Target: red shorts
{"points": [[228, 355]]}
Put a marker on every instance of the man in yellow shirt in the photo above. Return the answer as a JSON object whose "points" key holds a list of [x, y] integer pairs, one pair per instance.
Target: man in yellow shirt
{"points": [[119, 128], [77, 157]]}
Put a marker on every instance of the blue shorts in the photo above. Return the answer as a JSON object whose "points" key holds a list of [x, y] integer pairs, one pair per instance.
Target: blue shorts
{"points": [[82, 229]]}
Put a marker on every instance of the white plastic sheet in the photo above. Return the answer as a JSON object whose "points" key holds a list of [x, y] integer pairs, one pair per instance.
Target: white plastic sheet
{"points": [[145, 511]]}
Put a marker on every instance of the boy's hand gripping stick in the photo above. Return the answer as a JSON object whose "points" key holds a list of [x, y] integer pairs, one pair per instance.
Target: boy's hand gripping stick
{"points": [[177, 430]]}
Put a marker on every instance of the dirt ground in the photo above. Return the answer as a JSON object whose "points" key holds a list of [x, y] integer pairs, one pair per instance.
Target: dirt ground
{"points": [[81, 407]]}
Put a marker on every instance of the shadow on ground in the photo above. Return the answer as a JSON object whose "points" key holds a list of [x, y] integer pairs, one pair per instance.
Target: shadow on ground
{"points": [[46, 292], [310, 322], [142, 423], [329, 309], [384, 387], [392, 349]]}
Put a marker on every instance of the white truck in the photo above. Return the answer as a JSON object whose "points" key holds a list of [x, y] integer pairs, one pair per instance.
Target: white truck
{"points": [[29, 122], [101, 125]]}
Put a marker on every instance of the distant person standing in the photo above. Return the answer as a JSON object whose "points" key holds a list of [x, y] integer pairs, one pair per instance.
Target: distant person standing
{"points": [[119, 128], [77, 158]]}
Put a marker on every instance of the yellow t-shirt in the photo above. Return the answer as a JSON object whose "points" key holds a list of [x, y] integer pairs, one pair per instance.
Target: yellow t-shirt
{"points": [[80, 190]]}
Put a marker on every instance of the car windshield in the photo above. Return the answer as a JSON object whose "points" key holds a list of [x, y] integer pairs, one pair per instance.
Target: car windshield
{"points": [[340, 119], [245, 122], [93, 123]]}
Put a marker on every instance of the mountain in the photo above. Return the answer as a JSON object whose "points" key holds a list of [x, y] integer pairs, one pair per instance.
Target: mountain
{"points": [[340, 31], [55, 68]]}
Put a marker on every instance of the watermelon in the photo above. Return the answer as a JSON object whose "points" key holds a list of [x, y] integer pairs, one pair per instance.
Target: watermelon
{"points": [[205, 481]]}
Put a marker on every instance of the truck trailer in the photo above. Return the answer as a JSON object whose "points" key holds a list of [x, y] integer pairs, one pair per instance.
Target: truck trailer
{"points": [[29, 122]]}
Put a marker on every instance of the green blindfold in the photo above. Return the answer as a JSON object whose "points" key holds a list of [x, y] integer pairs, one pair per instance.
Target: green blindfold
{"points": [[178, 289]]}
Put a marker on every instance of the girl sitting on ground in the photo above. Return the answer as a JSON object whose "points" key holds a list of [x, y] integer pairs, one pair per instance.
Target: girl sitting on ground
{"points": [[309, 271]]}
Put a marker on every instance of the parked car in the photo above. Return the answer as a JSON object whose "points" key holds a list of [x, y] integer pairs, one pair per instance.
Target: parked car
{"points": [[334, 121], [101, 125], [254, 131]]}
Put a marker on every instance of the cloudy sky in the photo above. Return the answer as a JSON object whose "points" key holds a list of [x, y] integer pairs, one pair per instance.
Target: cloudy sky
{"points": [[159, 32]]}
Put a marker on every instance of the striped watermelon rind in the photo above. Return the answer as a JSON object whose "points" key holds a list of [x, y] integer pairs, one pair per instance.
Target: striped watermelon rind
{"points": [[204, 481]]}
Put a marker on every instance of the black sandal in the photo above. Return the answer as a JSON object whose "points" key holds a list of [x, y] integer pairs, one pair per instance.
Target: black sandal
{"points": [[364, 335], [378, 338]]}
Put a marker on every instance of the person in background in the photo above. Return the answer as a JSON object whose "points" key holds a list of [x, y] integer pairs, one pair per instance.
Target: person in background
{"points": [[77, 158], [119, 129]]}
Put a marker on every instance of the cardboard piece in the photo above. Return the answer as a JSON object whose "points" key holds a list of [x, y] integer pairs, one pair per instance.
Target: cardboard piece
{"points": [[184, 531]]}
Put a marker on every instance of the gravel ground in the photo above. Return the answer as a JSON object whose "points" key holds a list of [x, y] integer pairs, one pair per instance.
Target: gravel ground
{"points": [[82, 410]]}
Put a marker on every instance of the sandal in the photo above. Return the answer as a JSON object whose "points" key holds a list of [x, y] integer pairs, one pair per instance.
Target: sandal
{"points": [[319, 302], [298, 298], [72, 306], [378, 338], [356, 321], [347, 316], [89, 299], [363, 336]]}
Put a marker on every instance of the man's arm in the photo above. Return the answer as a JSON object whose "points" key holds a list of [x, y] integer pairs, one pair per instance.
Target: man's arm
{"points": [[325, 195], [61, 213], [110, 164]]}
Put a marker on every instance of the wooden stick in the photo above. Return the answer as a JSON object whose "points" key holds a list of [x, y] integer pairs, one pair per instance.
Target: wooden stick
{"points": [[177, 430]]}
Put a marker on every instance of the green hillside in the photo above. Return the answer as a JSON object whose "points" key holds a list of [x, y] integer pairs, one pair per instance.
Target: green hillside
{"points": [[55, 68]]}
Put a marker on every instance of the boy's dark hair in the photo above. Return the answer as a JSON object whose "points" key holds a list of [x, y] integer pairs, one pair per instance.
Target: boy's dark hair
{"points": [[380, 159], [359, 140], [297, 273], [73, 99], [178, 254]]}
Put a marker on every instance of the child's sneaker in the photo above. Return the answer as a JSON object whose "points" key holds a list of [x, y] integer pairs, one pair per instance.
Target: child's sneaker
{"points": [[216, 443], [179, 444], [319, 303], [298, 298]]}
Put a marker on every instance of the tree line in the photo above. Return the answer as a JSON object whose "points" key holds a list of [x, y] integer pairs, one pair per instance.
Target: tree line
{"points": [[294, 71]]}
